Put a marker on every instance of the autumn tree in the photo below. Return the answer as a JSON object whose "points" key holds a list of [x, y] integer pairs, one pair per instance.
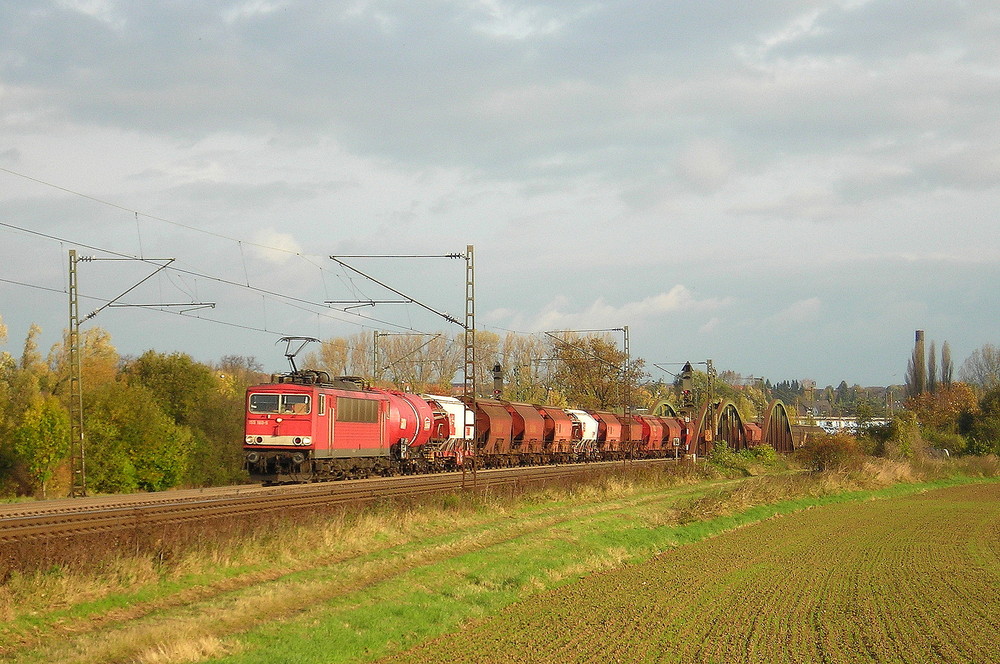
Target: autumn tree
{"points": [[34, 425], [99, 361], [41, 440], [331, 357], [419, 362], [237, 373], [947, 368], [982, 367], [591, 371], [524, 360], [932, 381], [916, 376], [7, 366], [193, 395], [981, 428], [941, 410]]}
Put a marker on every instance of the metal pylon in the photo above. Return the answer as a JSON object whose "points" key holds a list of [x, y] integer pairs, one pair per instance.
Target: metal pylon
{"points": [[78, 465], [470, 324]]}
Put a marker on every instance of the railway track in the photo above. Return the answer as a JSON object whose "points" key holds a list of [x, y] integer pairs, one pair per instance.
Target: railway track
{"points": [[66, 519]]}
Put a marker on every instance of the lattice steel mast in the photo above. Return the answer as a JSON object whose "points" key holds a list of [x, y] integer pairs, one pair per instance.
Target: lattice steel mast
{"points": [[78, 466]]}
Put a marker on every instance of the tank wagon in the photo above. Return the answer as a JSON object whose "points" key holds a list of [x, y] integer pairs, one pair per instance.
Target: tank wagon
{"points": [[306, 426]]}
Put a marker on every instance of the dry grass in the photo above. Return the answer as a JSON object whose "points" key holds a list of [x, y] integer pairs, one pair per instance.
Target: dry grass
{"points": [[196, 649], [139, 605], [225, 566]]}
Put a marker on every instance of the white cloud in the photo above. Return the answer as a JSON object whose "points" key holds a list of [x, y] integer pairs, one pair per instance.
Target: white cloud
{"points": [[251, 9], [796, 314], [588, 149], [274, 246], [705, 164], [601, 314], [710, 326]]}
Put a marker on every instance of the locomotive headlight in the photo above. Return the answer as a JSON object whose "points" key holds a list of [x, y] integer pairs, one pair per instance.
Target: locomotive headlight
{"points": [[249, 440]]}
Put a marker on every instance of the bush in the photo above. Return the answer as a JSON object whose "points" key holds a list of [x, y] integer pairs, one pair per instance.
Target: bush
{"points": [[830, 451], [943, 440], [743, 462], [728, 461]]}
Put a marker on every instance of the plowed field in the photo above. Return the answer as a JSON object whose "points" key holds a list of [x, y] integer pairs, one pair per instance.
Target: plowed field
{"points": [[912, 579]]}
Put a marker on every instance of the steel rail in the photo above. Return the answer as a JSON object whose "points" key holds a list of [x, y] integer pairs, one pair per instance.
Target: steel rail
{"points": [[66, 519]]}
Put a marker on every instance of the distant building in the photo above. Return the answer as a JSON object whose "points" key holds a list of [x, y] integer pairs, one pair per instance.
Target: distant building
{"points": [[832, 424]]}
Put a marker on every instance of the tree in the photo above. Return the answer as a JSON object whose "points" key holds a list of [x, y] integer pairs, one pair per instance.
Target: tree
{"points": [[34, 427], [864, 410], [947, 368], [237, 373], [916, 378], [193, 395], [99, 361], [932, 368], [982, 427], [131, 442], [527, 371], [590, 371], [41, 440], [420, 362], [331, 357], [179, 384], [982, 368], [942, 409]]}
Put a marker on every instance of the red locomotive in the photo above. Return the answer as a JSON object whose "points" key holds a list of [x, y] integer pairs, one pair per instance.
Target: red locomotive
{"points": [[306, 426]]}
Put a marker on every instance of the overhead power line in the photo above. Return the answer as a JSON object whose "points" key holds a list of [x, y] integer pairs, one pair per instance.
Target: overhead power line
{"points": [[139, 213], [290, 300]]}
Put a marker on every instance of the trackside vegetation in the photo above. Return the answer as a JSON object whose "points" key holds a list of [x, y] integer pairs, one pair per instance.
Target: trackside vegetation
{"points": [[363, 584]]}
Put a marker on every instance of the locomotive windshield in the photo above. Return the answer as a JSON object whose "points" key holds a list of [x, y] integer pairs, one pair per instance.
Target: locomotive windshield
{"points": [[279, 403]]}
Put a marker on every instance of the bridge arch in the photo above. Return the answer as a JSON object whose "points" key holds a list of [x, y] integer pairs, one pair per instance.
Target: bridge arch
{"points": [[777, 429], [729, 427], [663, 408]]}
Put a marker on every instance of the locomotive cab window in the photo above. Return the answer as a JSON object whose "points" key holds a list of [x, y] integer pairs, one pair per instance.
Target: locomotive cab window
{"points": [[279, 403], [264, 403], [295, 403]]}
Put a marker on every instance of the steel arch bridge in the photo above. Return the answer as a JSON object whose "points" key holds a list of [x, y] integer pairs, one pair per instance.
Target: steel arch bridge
{"points": [[723, 422]]}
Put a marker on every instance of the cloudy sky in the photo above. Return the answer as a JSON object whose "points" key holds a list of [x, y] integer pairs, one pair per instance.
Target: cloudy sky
{"points": [[789, 188]]}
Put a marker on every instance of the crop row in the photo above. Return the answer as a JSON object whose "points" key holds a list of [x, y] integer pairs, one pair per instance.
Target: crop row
{"points": [[911, 579]]}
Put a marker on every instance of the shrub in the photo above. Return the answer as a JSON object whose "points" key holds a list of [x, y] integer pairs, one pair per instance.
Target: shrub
{"points": [[943, 440], [728, 461], [745, 462], [830, 452]]}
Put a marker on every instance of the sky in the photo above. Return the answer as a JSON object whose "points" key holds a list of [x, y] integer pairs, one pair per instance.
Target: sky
{"points": [[790, 189]]}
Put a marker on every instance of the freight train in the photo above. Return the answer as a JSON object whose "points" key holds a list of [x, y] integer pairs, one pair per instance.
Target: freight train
{"points": [[306, 426]]}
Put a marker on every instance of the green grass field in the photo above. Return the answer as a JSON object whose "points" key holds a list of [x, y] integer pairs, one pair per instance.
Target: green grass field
{"points": [[907, 579], [538, 577]]}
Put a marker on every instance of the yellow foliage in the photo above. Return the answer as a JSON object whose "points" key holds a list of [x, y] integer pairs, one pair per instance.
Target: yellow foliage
{"points": [[941, 409]]}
